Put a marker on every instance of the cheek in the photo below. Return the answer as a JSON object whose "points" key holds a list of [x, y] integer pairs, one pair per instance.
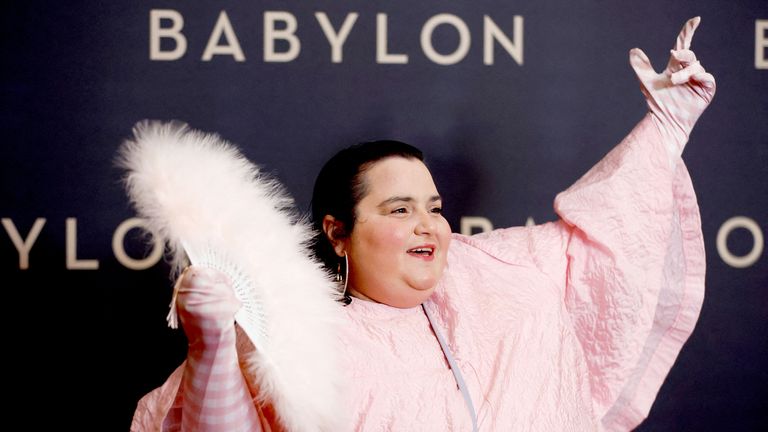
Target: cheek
{"points": [[383, 238]]}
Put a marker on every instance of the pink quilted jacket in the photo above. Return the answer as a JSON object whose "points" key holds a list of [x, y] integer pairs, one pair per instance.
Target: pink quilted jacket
{"points": [[567, 326]]}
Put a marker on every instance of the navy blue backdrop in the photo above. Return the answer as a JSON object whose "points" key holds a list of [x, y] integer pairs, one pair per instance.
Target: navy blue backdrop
{"points": [[84, 300]]}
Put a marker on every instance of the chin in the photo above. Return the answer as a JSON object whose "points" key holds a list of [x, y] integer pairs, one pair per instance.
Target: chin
{"points": [[414, 297]]}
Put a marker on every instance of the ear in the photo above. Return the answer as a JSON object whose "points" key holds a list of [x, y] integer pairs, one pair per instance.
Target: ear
{"points": [[336, 234]]}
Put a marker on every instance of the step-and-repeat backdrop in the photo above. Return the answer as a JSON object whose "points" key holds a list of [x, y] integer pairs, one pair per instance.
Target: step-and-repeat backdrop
{"points": [[510, 100]]}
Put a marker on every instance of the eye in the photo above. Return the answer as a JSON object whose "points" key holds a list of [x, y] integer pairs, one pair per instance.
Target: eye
{"points": [[437, 210], [400, 210]]}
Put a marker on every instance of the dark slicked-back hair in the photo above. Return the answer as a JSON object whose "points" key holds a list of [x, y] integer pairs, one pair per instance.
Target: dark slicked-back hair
{"points": [[339, 188]]}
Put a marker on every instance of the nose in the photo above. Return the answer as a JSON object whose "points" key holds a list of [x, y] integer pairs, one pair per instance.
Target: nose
{"points": [[425, 223]]}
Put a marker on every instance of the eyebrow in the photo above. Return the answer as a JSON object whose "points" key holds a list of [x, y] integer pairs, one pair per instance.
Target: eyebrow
{"points": [[395, 199]]}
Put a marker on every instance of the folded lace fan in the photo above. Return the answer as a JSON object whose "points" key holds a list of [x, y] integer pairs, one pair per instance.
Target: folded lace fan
{"points": [[251, 314], [214, 208]]}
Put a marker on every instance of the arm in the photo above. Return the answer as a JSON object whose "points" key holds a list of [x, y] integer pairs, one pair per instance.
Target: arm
{"points": [[214, 391], [635, 253], [207, 202], [628, 253]]}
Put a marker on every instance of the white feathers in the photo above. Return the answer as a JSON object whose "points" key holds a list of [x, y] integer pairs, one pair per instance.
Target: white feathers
{"points": [[199, 193]]}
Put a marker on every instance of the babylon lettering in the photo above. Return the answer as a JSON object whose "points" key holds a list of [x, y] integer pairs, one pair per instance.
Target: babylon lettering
{"points": [[167, 41]]}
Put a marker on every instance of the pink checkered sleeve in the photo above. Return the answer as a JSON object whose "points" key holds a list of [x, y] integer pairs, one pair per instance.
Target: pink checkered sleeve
{"points": [[214, 392]]}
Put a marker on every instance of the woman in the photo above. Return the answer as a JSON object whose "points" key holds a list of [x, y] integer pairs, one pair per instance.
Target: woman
{"points": [[571, 325]]}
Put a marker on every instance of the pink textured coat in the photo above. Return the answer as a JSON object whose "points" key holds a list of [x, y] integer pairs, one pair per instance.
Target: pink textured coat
{"points": [[570, 325]]}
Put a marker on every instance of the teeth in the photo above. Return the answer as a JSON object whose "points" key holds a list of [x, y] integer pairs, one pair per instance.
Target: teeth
{"points": [[421, 250]]}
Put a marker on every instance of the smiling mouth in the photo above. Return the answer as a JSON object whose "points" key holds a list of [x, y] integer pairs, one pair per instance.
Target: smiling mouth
{"points": [[422, 252]]}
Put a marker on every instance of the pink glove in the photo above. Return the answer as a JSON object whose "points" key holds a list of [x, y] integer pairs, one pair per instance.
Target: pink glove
{"points": [[206, 304], [679, 94], [215, 394]]}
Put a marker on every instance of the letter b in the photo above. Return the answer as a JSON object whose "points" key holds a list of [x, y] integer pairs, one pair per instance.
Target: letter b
{"points": [[156, 33]]}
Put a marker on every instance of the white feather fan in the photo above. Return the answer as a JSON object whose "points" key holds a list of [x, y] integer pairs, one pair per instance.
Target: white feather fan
{"points": [[200, 195]]}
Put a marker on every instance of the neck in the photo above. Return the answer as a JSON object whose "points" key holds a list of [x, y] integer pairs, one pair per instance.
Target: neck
{"points": [[358, 295]]}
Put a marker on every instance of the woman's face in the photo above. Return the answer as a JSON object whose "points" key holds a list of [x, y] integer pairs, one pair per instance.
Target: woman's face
{"points": [[397, 249]]}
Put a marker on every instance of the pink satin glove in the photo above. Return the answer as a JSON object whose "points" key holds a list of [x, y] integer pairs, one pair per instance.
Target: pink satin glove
{"points": [[216, 397], [206, 304], [679, 94]]}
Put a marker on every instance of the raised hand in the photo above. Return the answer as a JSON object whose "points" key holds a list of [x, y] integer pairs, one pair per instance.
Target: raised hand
{"points": [[216, 396], [679, 94], [206, 303]]}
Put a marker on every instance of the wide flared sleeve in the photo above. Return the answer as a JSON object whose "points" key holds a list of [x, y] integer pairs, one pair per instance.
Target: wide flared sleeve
{"points": [[628, 250], [634, 282], [635, 252], [627, 256]]}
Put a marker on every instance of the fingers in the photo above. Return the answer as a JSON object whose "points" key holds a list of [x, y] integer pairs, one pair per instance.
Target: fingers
{"points": [[685, 74], [642, 66], [706, 80], [206, 294], [686, 34], [196, 277], [683, 56]]}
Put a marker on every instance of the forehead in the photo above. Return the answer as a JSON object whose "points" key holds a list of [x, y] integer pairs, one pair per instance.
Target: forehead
{"points": [[398, 175]]}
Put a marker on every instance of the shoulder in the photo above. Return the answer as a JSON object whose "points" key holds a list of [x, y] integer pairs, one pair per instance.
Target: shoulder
{"points": [[497, 278], [519, 245]]}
